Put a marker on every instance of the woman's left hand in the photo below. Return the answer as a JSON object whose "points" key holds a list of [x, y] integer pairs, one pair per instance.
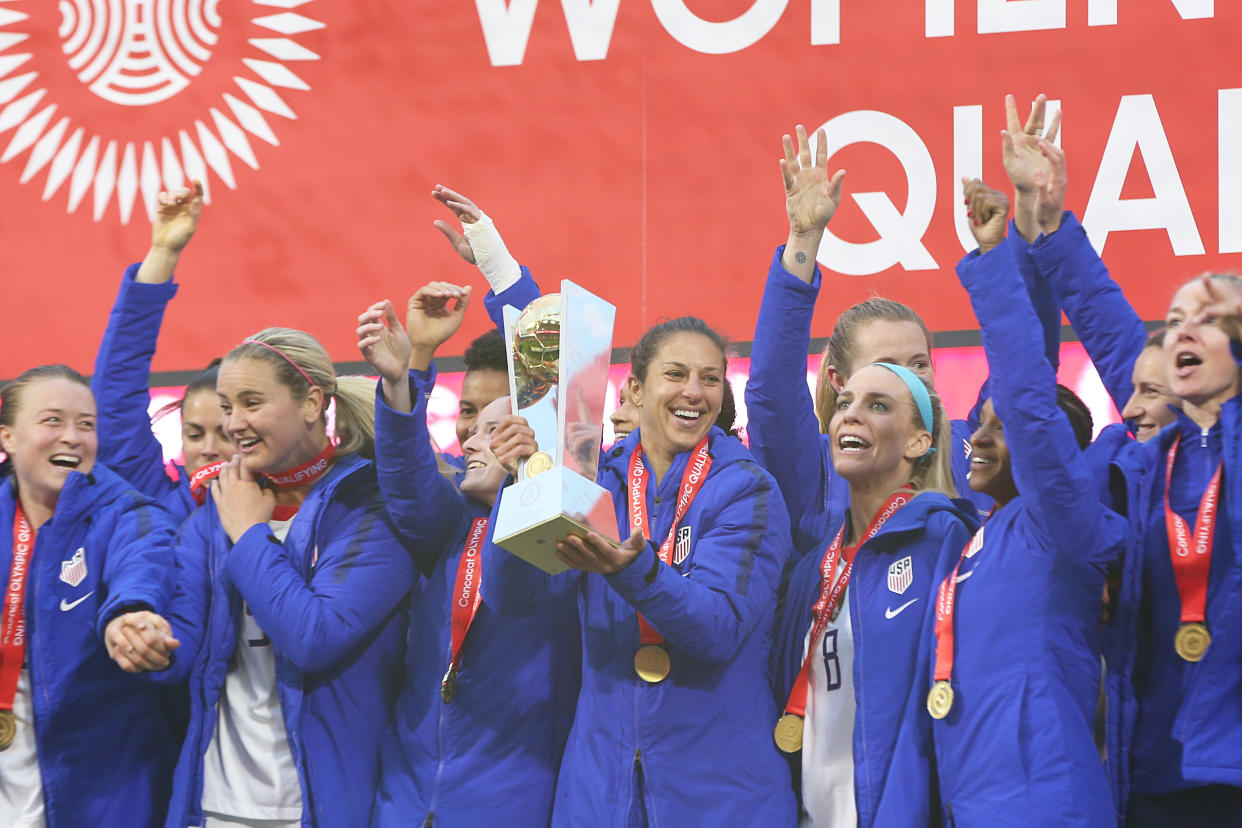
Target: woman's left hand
{"points": [[239, 500], [594, 553]]}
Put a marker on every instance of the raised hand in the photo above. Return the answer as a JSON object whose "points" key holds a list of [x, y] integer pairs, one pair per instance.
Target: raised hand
{"points": [[140, 641], [176, 218], [1223, 308], [434, 313], [1050, 185], [383, 342], [240, 502], [1024, 161], [811, 199], [465, 211], [988, 211]]}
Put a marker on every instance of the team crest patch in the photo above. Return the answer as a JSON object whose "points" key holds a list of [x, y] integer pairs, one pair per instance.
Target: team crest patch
{"points": [[682, 547], [73, 571], [901, 575]]}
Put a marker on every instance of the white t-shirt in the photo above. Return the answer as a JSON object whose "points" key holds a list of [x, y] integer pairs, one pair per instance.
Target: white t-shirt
{"points": [[21, 786], [248, 769], [828, 731]]}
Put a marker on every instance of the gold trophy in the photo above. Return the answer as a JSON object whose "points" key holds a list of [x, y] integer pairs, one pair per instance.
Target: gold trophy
{"points": [[560, 347]]}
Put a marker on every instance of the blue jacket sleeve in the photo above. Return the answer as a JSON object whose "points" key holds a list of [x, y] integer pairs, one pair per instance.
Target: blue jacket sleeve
{"points": [[1109, 328], [1049, 469], [362, 573], [710, 611], [139, 568], [121, 385], [520, 294], [784, 431], [511, 586], [425, 506], [187, 611]]}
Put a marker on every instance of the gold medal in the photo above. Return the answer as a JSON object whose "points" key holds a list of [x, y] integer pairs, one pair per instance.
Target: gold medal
{"points": [[8, 728], [788, 733], [940, 699], [538, 463], [651, 663], [1192, 641], [448, 685]]}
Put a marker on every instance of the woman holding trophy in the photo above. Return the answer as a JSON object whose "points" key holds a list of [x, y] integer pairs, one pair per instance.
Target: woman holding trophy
{"points": [[673, 722]]}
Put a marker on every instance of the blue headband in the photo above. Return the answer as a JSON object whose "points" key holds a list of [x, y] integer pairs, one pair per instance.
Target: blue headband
{"points": [[917, 390]]}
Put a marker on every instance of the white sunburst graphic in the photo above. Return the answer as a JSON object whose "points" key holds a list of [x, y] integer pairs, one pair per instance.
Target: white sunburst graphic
{"points": [[141, 53]]}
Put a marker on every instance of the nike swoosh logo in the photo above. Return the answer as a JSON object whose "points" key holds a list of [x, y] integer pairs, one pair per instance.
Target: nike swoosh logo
{"points": [[891, 613], [963, 577], [65, 606]]}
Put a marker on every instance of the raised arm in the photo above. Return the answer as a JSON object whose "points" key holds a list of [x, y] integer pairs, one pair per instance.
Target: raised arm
{"points": [[1110, 330], [123, 365], [1049, 469], [425, 506], [784, 431]]}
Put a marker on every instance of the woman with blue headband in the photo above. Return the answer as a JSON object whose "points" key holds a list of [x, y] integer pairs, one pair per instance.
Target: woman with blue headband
{"points": [[857, 609], [1014, 649]]}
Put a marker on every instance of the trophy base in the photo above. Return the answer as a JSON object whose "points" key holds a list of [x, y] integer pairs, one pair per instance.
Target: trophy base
{"points": [[537, 512]]}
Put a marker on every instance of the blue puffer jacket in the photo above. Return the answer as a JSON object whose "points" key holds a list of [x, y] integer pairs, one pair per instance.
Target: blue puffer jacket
{"points": [[695, 749], [784, 431], [1017, 748], [892, 732], [491, 755], [121, 385], [1175, 725], [330, 598], [104, 759]]}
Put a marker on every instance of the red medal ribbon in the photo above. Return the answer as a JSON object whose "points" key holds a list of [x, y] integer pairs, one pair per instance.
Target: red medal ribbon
{"points": [[1191, 563], [467, 594], [692, 479], [13, 625], [200, 481], [829, 604], [946, 598], [306, 473]]}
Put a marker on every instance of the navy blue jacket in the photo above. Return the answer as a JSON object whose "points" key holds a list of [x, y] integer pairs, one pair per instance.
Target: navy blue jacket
{"points": [[492, 754], [330, 598], [105, 757], [892, 731], [695, 749], [1017, 748], [122, 390], [784, 431]]}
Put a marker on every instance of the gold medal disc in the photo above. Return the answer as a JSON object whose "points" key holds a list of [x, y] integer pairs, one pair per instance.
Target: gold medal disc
{"points": [[651, 663], [940, 699], [538, 463], [1192, 641], [448, 685], [8, 728], [788, 733]]}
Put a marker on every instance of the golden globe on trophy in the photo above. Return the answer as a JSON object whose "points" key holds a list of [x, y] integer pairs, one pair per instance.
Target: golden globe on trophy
{"points": [[559, 347]]}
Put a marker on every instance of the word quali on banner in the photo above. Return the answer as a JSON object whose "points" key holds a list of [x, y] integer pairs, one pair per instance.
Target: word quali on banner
{"points": [[631, 147]]}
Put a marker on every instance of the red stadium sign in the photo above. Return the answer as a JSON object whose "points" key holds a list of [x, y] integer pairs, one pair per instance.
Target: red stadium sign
{"points": [[631, 148]]}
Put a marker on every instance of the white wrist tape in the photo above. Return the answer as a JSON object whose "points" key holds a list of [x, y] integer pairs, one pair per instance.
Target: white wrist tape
{"points": [[498, 266]]}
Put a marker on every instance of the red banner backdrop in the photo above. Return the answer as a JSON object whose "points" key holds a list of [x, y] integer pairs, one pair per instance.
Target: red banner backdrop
{"points": [[631, 146]]}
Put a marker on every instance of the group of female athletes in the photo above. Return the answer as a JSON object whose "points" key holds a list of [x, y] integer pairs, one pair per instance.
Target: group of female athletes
{"points": [[874, 616]]}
